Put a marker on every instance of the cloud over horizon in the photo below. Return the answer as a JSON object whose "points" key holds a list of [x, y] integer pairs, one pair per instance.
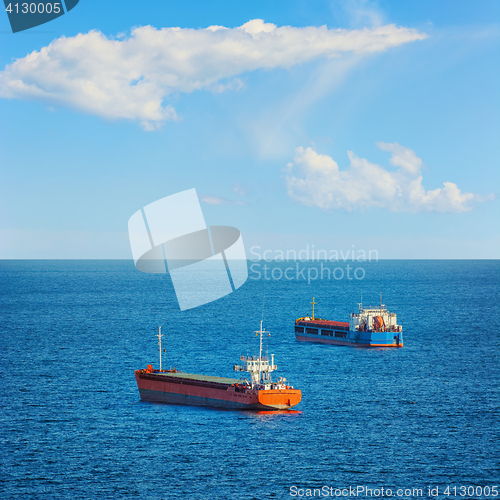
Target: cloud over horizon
{"points": [[320, 183], [130, 78]]}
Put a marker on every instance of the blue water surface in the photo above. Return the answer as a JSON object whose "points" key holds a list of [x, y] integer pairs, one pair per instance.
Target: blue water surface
{"points": [[72, 424]]}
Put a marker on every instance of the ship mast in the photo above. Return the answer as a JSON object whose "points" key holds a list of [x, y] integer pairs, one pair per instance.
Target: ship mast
{"points": [[313, 306], [259, 366], [159, 342], [260, 352], [260, 348]]}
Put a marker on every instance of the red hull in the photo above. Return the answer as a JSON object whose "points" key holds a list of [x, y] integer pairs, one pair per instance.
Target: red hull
{"points": [[173, 388]]}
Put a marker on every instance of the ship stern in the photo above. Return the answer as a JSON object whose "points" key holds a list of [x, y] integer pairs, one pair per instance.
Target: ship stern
{"points": [[281, 399]]}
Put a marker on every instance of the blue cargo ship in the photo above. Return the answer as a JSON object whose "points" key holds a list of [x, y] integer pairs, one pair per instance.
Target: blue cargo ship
{"points": [[370, 327]]}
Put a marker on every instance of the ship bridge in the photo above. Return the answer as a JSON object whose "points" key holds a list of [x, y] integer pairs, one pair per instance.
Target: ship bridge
{"points": [[256, 365], [374, 318], [260, 368]]}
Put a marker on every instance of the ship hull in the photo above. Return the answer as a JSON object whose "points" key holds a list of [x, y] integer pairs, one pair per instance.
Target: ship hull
{"points": [[189, 399], [352, 342], [186, 389], [371, 327]]}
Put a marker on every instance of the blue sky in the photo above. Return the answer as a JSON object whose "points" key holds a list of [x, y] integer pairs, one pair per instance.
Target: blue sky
{"points": [[260, 120]]}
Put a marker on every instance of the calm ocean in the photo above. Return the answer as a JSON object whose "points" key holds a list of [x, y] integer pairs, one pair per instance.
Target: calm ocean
{"points": [[72, 425]]}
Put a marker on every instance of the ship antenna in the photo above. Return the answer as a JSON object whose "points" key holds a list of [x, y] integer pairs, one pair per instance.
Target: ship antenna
{"points": [[159, 342]]}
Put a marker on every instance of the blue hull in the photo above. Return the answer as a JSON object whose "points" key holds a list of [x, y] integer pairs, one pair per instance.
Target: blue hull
{"points": [[355, 339]]}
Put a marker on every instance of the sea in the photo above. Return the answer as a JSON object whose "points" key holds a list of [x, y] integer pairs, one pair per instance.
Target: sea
{"points": [[421, 421]]}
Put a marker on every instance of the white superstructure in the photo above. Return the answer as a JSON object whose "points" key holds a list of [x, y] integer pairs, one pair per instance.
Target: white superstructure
{"points": [[260, 368], [374, 319]]}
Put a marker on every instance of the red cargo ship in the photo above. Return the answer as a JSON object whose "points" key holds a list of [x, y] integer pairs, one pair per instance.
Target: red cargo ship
{"points": [[260, 393]]}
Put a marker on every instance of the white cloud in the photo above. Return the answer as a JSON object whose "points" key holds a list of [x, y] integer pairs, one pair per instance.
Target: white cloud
{"points": [[218, 200], [130, 78], [363, 185]]}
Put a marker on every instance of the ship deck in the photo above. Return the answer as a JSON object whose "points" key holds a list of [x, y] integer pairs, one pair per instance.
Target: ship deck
{"points": [[198, 378], [323, 322]]}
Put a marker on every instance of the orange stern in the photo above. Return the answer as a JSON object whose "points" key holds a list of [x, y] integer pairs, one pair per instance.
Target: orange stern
{"points": [[280, 399]]}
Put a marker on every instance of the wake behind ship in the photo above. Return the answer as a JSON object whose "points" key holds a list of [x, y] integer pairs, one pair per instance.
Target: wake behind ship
{"points": [[260, 393]]}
